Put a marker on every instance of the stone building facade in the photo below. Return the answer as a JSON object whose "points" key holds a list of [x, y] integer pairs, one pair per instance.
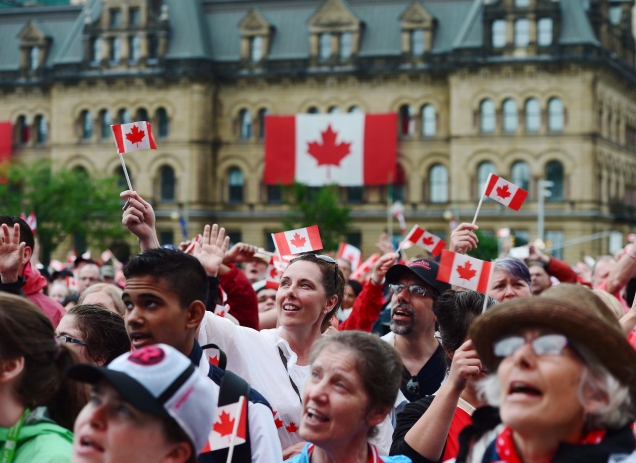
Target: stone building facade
{"points": [[528, 89]]}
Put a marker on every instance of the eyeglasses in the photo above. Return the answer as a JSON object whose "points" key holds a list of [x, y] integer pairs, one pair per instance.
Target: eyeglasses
{"points": [[415, 290], [331, 260], [413, 386], [548, 344], [70, 339]]}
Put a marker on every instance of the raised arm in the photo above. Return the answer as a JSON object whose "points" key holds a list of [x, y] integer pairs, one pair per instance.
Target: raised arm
{"points": [[14, 255], [463, 238], [623, 271], [139, 218]]}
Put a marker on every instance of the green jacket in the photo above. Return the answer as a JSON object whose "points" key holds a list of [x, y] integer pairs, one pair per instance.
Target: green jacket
{"points": [[41, 440]]}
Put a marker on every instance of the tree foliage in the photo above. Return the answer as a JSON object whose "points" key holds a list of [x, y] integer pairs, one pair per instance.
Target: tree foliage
{"points": [[317, 206], [65, 202], [487, 248]]}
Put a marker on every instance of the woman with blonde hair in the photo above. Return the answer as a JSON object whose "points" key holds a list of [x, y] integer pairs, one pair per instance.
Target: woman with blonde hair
{"points": [[106, 295]]}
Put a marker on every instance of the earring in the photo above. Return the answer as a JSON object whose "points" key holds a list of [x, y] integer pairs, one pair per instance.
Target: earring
{"points": [[326, 311]]}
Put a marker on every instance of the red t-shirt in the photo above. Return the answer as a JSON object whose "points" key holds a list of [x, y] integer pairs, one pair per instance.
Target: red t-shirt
{"points": [[461, 419]]}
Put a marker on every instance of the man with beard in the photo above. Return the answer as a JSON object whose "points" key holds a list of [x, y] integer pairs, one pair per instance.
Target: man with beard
{"points": [[414, 288]]}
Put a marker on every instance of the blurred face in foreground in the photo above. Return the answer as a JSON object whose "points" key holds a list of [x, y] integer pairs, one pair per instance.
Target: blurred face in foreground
{"points": [[335, 403], [110, 430], [504, 286]]}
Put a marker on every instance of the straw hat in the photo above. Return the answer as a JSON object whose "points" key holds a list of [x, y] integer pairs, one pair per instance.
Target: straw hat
{"points": [[568, 309]]}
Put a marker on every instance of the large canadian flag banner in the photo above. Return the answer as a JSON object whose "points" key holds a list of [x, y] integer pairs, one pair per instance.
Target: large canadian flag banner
{"points": [[297, 241], [133, 137], [467, 272], [321, 149], [505, 193], [432, 243]]}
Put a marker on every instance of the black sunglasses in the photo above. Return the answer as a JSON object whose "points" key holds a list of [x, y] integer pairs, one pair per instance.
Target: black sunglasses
{"points": [[331, 260], [413, 386]]}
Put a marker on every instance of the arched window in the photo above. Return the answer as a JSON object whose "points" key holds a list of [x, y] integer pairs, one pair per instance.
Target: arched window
{"points": [[34, 56], [429, 120], [105, 122], [245, 121], [483, 171], [533, 115], [346, 45], [124, 116], [325, 46], [355, 110], [261, 122], [167, 186], [334, 110], [555, 115], [313, 110], [236, 183], [487, 113], [499, 38], [438, 182], [522, 32], [134, 48], [162, 122], [256, 48], [510, 115], [41, 129], [520, 174], [417, 42], [22, 130], [81, 171], [142, 114], [407, 124], [87, 124], [554, 173]]}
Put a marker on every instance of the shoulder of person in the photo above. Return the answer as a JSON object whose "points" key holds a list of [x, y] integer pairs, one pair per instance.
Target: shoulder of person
{"points": [[397, 459], [45, 443]]}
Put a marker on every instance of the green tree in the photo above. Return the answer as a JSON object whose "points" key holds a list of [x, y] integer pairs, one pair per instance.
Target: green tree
{"points": [[487, 248], [317, 206], [65, 202]]}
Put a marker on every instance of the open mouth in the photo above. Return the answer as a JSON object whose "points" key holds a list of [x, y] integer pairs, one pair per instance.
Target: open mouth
{"points": [[401, 313], [290, 308], [139, 339], [89, 444], [314, 415], [519, 388]]}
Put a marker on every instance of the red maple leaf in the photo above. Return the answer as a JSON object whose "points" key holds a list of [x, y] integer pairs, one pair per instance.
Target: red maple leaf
{"points": [[135, 135], [298, 241], [292, 427], [465, 272], [225, 426], [502, 192], [428, 241], [328, 153], [273, 274], [279, 423]]}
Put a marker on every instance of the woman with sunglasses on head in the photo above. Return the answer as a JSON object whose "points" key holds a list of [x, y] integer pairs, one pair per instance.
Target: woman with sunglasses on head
{"points": [[563, 376], [276, 361], [38, 405], [96, 334]]}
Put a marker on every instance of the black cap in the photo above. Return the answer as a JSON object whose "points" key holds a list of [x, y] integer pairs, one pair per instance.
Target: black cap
{"points": [[424, 269]]}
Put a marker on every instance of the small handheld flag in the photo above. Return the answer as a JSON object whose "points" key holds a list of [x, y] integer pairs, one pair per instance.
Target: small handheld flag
{"points": [[350, 253], [432, 243], [365, 267], [297, 241], [502, 191], [464, 271]]}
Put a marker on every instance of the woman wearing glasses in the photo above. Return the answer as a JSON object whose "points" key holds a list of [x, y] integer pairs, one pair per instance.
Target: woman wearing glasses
{"points": [[38, 404], [276, 361], [97, 335], [564, 378]]}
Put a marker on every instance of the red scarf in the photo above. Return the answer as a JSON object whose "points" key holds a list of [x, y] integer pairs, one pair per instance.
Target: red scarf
{"points": [[508, 453]]}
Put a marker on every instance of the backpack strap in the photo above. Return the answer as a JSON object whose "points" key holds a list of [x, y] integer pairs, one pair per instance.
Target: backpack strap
{"points": [[222, 357], [232, 388]]}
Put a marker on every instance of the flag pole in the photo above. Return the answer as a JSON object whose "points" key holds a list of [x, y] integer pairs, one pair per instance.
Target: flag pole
{"points": [[239, 415], [123, 165], [483, 310], [481, 200], [389, 200]]}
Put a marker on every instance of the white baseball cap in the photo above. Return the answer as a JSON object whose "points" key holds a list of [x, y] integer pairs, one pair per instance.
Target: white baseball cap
{"points": [[159, 380]]}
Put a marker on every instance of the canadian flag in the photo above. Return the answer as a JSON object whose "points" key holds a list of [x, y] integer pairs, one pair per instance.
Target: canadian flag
{"points": [[294, 242], [71, 284], [106, 255], [221, 310], [230, 420], [505, 192], [56, 265], [350, 253], [274, 272], [31, 221], [433, 244], [365, 267], [397, 209], [467, 272], [321, 149], [133, 137]]}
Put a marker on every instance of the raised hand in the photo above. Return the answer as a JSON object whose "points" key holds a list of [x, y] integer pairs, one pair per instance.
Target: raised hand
{"points": [[384, 244], [13, 253], [536, 255], [466, 364], [139, 218], [239, 253], [382, 265], [463, 238], [212, 248]]}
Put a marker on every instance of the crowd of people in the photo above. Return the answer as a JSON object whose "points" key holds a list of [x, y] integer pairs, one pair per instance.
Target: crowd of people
{"points": [[189, 354]]}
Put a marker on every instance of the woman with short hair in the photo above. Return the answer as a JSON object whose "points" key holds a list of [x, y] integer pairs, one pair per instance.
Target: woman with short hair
{"points": [[353, 383], [105, 294], [97, 335], [564, 377]]}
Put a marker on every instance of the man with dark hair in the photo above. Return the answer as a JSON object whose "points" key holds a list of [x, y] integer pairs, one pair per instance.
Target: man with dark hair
{"points": [[165, 298], [17, 275], [414, 288]]}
